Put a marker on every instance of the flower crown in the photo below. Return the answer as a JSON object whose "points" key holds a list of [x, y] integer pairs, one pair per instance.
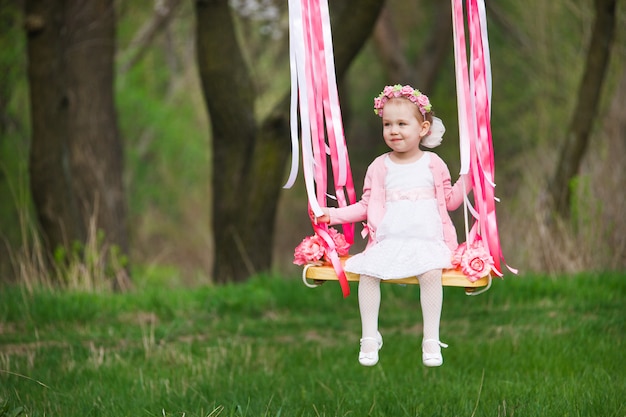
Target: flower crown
{"points": [[392, 91]]}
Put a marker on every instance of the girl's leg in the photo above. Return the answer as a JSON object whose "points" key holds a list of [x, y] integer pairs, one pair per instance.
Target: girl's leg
{"points": [[431, 298], [369, 305]]}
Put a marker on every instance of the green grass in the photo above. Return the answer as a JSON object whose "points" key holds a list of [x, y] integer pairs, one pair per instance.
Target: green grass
{"points": [[531, 346]]}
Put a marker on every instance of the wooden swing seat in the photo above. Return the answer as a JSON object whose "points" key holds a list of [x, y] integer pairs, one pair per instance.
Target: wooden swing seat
{"points": [[450, 278]]}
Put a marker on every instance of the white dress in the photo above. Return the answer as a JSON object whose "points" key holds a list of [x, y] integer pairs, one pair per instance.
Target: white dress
{"points": [[409, 239]]}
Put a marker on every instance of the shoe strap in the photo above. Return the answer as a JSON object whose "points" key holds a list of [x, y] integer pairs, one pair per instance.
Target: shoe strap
{"points": [[439, 342]]}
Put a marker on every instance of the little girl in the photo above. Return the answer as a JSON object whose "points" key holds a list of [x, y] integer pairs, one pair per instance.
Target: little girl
{"points": [[406, 197]]}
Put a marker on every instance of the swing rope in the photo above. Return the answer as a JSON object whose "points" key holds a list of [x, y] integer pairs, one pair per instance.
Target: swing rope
{"points": [[474, 86], [315, 99], [314, 92]]}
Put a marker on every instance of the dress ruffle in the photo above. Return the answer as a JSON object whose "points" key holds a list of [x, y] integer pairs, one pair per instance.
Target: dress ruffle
{"points": [[400, 258]]}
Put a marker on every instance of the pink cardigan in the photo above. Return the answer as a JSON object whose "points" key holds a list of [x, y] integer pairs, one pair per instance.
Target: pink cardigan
{"points": [[372, 206]]}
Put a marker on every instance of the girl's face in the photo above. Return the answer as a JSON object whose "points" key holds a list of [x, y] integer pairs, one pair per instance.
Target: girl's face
{"points": [[402, 130]]}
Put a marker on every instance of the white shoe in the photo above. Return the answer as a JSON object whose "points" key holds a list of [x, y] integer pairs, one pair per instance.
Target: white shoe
{"points": [[433, 359], [371, 358]]}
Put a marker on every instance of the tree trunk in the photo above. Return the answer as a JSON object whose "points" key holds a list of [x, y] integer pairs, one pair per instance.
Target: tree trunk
{"points": [[76, 153], [423, 73], [437, 46], [577, 135], [389, 49], [249, 157], [229, 94], [11, 63]]}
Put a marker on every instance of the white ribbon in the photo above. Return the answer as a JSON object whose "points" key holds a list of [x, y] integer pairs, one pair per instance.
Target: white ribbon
{"points": [[299, 93]]}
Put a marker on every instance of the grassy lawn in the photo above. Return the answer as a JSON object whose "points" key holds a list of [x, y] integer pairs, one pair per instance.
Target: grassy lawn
{"points": [[531, 346]]}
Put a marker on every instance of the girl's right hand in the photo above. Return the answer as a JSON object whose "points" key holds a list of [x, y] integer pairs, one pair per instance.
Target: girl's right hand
{"points": [[325, 218]]}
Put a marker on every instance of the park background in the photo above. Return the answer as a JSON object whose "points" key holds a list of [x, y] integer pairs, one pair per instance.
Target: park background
{"points": [[539, 53], [570, 264]]}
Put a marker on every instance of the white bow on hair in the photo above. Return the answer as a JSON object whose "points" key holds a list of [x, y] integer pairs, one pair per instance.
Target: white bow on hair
{"points": [[435, 136]]}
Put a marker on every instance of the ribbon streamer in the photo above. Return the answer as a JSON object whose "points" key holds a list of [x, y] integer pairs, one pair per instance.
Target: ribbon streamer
{"points": [[474, 86], [314, 94]]}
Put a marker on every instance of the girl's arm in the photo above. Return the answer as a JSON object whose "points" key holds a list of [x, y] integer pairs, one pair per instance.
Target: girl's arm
{"points": [[353, 213], [350, 214], [455, 193]]}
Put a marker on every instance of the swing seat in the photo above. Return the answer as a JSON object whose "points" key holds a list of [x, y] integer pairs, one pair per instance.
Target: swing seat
{"points": [[319, 274]]}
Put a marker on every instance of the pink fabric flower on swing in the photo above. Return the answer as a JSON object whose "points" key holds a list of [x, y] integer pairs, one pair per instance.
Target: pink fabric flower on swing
{"points": [[341, 245], [474, 260], [310, 250], [476, 263], [457, 256]]}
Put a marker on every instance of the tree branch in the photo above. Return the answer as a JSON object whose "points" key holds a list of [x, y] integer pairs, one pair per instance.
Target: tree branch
{"points": [[577, 137], [389, 50], [423, 73], [163, 12]]}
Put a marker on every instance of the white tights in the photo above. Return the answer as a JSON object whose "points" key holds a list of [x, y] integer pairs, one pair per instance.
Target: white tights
{"points": [[431, 300]]}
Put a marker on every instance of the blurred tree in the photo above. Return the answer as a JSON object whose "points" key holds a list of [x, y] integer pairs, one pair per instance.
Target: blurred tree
{"points": [[578, 133], [389, 47], [9, 61], [250, 155], [163, 13], [13, 127], [76, 152]]}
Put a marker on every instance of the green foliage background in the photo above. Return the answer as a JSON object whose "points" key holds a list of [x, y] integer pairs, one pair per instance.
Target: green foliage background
{"points": [[538, 53]]}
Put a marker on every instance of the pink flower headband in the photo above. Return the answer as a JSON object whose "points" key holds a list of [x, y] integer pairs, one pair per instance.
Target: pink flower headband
{"points": [[437, 129], [392, 91]]}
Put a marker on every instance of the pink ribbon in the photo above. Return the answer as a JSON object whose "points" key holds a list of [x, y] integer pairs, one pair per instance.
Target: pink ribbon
{"points": [[474, 112], [313, 82]]}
